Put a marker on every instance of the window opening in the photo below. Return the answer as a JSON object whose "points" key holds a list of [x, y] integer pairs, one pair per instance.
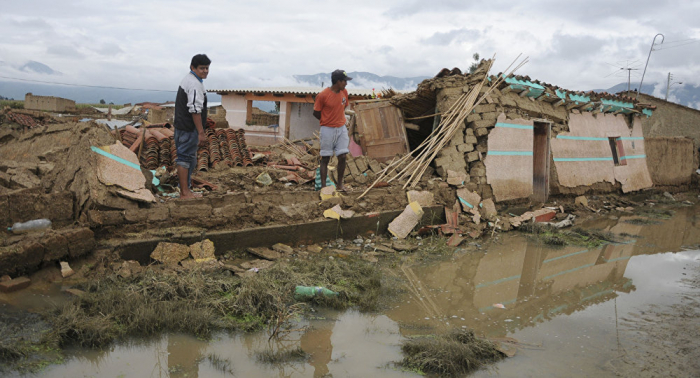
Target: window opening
{"points": [[618, 151]]}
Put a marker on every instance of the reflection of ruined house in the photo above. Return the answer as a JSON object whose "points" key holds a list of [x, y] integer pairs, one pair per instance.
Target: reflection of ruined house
{"points": [[528, 139], [48, 103], [294, 121]]}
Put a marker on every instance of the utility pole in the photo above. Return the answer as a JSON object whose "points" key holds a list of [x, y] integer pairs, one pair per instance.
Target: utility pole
{"points": [[653, 42], [669, 84]]}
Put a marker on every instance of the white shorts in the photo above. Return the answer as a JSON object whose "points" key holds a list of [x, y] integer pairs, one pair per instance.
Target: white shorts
{"points": [[334, 140]]}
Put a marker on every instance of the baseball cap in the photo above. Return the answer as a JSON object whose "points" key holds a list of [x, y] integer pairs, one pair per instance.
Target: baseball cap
{"points": [[340, 75]]}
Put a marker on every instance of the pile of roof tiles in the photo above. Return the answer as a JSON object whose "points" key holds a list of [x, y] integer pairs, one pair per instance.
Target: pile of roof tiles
{"points": [[224, 146], [22, 119]]}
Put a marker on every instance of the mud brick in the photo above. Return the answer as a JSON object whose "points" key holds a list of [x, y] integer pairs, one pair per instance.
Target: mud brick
{"points": [[470, 139], [481, 132], [58, 206], [18, 283], [227, 199], [374, 166], [489, 116], [55, 247], [473, 117], [361, 163], [352, 167], [485, 108], [136, 215], [158, 214], [472, 156], [466, 148], [80, 241], [100, 218], [482, 147], [361, 179], [457, 139], [5, 220], [192, 209], [468, 132], [483, 124], [21, 257]]}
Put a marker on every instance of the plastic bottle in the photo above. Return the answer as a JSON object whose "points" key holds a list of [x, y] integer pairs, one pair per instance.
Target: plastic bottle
{"points": [[305, 292], [30, 226]]}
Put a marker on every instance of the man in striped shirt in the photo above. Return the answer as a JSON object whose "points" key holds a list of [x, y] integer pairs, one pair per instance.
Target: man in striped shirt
{"points": [[190, 121]]}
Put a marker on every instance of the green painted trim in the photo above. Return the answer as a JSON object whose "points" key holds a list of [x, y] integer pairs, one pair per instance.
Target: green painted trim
{"points": [[560, 94], [565, 256], [104, 153], [510, 153], [514, 126], [469, 205], [647, 112], [568, 271], [577, 98], [633, 157], [585, 159], [496, 282], [512, 80], [579, 137]]}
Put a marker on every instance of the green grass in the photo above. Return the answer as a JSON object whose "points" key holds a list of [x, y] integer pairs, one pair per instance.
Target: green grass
{"points": [[14, 104], [561, 237]]}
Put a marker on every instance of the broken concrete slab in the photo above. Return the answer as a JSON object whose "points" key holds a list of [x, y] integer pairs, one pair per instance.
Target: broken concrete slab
{"points": [[468, 199], [336, 212], [424, 198], [203, 251], [402, 225], [264, 253], [283, 248], [15, 284], [66, 270], [170, 253]]}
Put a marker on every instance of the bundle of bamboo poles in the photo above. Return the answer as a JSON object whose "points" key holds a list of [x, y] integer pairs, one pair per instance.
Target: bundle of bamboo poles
{"points": [[451, 122]]}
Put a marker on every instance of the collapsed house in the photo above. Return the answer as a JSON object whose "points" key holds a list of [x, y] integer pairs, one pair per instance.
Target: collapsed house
{"points": [[528, 140]]}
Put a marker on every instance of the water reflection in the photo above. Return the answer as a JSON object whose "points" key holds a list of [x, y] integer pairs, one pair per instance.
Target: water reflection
{"points": [[565, 299]]}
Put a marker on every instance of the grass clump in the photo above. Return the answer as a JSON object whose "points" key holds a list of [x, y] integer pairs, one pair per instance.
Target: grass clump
{"points": [[281, 356], [198, 302], [221, 364], [454, 354]]}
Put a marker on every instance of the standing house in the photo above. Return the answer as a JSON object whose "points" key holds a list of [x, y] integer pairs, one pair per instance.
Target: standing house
{"points": [[295, 119], [528, 140], [48, 103]]}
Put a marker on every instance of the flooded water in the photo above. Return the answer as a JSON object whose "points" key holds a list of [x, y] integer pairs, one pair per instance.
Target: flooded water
{"points": [[566, 306]]}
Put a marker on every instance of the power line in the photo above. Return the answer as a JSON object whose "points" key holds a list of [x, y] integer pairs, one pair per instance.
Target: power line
{"points": [[87, 86], [662, 46]]}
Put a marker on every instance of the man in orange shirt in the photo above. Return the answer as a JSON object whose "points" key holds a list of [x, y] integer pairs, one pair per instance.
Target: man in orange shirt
{"points": [[329, 108]]}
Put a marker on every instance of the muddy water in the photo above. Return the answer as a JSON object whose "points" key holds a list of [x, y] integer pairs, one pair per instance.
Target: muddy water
{"points": [[566, 306]]}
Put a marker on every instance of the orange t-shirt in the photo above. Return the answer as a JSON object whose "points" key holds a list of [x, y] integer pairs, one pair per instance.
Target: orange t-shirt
{"points": [[332, 107]]}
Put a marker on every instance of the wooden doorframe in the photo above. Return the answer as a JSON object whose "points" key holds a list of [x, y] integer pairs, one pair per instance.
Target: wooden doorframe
{"points": [[541, 157]]}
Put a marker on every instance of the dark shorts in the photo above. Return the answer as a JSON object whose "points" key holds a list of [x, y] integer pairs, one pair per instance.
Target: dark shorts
{"points": [[186, 143]]}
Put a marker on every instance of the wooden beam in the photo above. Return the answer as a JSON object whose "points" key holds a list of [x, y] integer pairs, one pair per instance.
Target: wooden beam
{"points": [[559, 103], [572, 106], [507, 89], [542, 97]]}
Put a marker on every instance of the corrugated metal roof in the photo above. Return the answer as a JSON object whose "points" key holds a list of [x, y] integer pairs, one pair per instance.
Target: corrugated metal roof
{"points": [[291, 90]]}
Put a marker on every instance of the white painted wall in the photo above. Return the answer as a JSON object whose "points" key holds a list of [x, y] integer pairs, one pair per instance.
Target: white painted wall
{"points": [[302, 122]]}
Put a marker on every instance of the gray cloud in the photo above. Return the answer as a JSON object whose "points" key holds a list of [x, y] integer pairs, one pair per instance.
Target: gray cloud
{"points": [[64, 51], [452, 36]]}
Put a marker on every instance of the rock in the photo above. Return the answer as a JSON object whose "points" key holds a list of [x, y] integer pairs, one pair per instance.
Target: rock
{"points": [[75, 292], [669, 196], [265, 253], [233, 268], [170, 253], [401, 245], [369, 257], [66, 270], [456, 178], [314, 248], [129, 268], [203, 251], [581, 200], [488, 209], [283, 248], [5, 278], [468, 199], [204, 264], [18, 283], [257, 264]]}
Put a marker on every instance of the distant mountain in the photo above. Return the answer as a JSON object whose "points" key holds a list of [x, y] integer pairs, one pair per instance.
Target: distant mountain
{"points": [[365, 80], [38, 67], [17, 90], [686, 94]]}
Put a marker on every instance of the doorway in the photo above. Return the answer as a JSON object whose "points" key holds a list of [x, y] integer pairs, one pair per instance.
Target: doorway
{"points": [[540, 162]]}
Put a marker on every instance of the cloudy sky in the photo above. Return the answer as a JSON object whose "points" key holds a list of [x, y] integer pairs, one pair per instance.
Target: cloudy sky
{"points": [[148, 44]]}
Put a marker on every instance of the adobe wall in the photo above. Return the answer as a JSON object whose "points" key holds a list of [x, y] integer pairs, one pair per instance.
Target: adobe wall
{"points": [[583, 155], [670, 160], [48, 103], [509, 163], [302, 123]]}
